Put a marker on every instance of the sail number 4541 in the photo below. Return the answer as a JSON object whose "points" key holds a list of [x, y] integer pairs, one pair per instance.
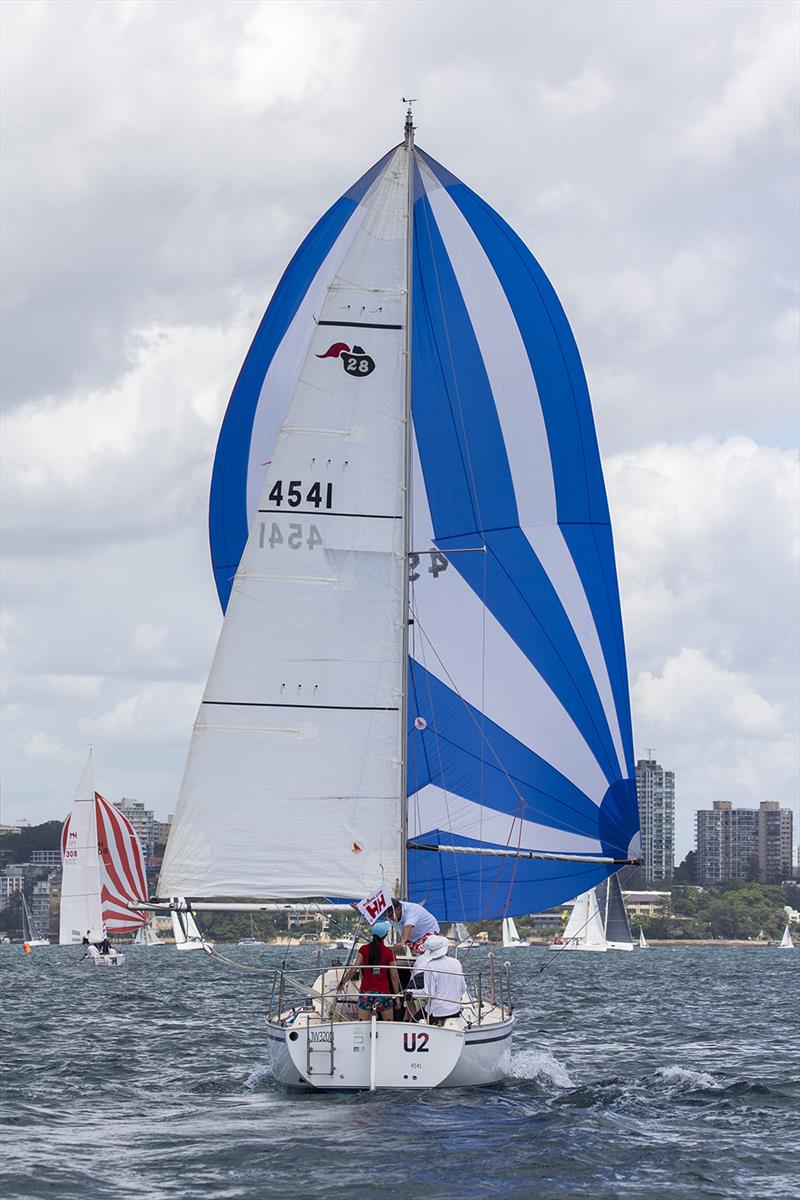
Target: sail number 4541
{"points": [[314, 494]]}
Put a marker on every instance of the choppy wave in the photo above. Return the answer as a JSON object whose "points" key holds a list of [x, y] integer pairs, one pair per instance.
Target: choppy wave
{"points": [[631, 1078]]}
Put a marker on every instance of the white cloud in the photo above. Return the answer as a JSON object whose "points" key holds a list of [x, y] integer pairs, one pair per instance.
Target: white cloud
{"points": [[644, 153]]}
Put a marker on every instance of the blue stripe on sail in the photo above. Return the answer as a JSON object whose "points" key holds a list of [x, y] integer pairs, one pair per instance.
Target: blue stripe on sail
{"points": [[553, 354], [561, 382], [227, 516], [463, 887], [463, 456], [465, 753]]}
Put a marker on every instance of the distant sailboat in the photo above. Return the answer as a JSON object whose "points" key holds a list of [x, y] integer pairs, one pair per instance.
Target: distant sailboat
{"points": [[103, 870], [584, 929], [184, 928], [459, 935], [642, 940], [786, 942], [511, 938], [617, 926], [147, 936], [254, 939], [31, 934]]}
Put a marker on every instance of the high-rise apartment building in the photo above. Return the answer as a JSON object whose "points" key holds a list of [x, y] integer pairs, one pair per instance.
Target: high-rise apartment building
{"points": [[743, 843], [143, 821], [655, 791]]}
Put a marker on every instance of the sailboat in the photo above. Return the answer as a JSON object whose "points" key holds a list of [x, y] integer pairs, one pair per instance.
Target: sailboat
{"points": [[584, 929], [459, 936], [786, 942], [420, 686], [616, 925], [642, 940], [31, 934], [104, 877], [253, 939], [511, 938], [147, 936], [184, 930]]}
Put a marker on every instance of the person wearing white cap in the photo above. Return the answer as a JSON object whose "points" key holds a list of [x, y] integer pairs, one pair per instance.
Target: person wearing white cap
{"points": [[444, 983]]}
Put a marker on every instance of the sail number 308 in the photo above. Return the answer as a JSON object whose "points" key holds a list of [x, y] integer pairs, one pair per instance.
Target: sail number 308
{"points": [[314, 494]]}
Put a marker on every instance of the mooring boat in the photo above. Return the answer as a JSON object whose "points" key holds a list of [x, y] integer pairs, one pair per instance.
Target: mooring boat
{"points": [[103, 876], [420, 681]]}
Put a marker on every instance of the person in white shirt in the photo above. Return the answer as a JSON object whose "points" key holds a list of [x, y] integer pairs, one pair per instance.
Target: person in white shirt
{"points": [[413, 923], [443, 981]]}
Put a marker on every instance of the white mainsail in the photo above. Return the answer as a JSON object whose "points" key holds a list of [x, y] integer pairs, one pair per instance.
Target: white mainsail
{"points": [[147, 936], [786, 942], [642, 940], [511, 937], [81, 908], [584, 929], [300, 727], [184, 929]]}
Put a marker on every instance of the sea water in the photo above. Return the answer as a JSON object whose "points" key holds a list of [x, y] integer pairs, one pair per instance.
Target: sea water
{"points": [[662, 1073]]}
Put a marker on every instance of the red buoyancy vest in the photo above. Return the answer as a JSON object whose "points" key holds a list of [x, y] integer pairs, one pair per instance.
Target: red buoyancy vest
{"points": [[375, 981]]}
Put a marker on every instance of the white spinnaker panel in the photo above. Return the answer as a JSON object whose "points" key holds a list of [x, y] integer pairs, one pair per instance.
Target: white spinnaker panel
{"points": [[80, 908], [292, 786]]}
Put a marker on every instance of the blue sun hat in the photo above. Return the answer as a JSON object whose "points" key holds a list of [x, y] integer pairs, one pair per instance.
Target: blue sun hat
{"points": [[380, 929]]}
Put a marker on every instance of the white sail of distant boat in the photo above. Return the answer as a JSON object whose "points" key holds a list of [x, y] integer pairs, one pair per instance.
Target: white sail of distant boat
{"points": [[615, 919], [420, 685], [147, 936], [31, 934], [786, 942], [459, 935], [103, 870], [642, 940], [184, 929], [584, 929], [253, 939], [511, 938]]}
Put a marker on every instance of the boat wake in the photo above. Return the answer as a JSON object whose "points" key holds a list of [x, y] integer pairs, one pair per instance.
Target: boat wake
{"points": [[541, 1066], [259, 1075]]}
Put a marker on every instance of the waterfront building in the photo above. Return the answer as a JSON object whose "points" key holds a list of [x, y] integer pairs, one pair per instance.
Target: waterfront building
{"points": [[40, 905], [11, 880], [46, 858], [161, 831], [143, 821], [655, 791], [743, 843], [646, 903]]}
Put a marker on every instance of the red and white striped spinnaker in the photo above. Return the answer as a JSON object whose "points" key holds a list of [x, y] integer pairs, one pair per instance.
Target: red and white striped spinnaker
{"points": [[113, 868]]}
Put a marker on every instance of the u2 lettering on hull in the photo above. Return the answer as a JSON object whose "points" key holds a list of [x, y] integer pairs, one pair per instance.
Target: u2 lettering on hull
{"points": [[294, 492], [293, 535]]}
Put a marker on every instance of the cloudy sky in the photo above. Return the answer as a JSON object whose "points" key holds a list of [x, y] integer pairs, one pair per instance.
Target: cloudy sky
{"points": [[161, 161]]}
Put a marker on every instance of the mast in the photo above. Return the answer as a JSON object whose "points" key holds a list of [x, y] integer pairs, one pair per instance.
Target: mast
{"points": [[408, 133]]}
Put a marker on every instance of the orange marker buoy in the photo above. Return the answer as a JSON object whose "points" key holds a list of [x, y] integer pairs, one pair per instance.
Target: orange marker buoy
{"points": [[26, 947]]}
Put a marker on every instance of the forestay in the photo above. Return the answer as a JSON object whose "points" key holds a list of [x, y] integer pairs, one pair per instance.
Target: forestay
{"points": [[518, 714]]}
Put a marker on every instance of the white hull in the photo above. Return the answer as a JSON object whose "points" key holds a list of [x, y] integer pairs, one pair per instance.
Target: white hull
{"points": [[591, 949], [105, 960], [36, 943], [620, 945], [190, 945], [388, 1054]]}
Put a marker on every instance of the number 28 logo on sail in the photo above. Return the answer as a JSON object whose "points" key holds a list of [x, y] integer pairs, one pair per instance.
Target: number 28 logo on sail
{"points": [[355, 361]]}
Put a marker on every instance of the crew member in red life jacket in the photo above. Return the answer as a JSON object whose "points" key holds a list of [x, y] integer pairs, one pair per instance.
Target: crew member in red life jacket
{"points": [[380, 984]]}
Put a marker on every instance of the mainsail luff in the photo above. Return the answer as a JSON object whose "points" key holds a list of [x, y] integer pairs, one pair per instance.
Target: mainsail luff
{"points": [[80, 908]]}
